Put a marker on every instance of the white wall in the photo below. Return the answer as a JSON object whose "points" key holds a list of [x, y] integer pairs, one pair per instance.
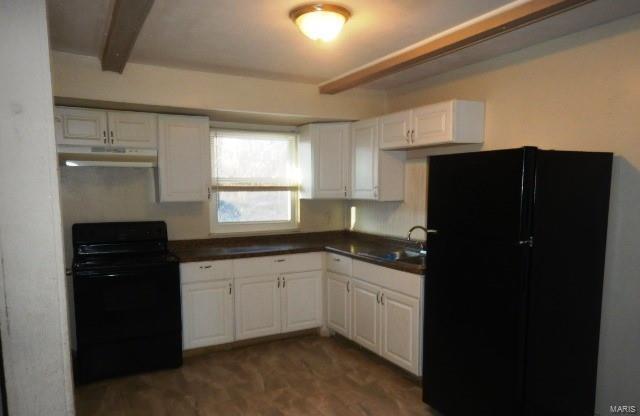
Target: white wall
{"points": [[128, 194], [81, 77], [33, 315], [580, 92]]}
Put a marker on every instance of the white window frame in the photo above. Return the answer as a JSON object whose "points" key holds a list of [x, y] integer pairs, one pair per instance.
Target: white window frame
{"points": [[220, 228]]}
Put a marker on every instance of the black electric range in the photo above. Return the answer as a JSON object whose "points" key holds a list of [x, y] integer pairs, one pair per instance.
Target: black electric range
{"points": [[127, 300]]}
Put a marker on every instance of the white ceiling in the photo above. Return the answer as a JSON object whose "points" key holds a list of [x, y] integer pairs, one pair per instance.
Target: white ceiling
{"points": [[256, 38]]}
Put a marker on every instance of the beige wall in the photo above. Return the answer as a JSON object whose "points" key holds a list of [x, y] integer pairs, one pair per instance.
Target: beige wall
{"points": [[580, 92], [80, 77], [128, 194]]}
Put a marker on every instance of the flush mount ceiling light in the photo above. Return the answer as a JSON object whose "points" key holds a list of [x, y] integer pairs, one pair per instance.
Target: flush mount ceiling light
{"points": [[320, 21]]}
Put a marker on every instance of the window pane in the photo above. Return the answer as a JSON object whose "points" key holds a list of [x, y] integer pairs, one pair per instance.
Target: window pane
{"points": [[252, 158], [254, 206]]}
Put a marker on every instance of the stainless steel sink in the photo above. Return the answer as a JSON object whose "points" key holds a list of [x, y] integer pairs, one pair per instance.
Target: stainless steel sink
{"points": [[405, 255]]}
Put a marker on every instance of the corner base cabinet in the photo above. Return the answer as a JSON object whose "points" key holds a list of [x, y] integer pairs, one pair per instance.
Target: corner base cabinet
{"points": [[380, 309]]}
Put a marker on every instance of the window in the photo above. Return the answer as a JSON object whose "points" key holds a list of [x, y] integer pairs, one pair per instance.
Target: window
{"points": [[254, 187]]}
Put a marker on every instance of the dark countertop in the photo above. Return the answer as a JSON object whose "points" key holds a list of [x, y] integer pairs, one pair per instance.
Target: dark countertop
{"points": [[356, 245]]}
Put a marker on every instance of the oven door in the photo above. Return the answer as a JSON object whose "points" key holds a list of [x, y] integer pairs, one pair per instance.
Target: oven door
{"points": [[121, 304]]}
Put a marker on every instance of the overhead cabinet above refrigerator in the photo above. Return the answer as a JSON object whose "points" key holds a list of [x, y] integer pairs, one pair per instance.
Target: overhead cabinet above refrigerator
{"points": [[449, 122]]}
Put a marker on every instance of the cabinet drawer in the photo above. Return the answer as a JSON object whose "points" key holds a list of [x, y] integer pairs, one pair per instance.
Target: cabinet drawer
{"points": [[402, 282], [339, 264], [203, 271], [288, 263]]}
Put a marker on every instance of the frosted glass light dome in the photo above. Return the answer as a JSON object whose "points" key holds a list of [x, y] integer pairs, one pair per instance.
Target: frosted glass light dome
{"points": [[320, 21]]}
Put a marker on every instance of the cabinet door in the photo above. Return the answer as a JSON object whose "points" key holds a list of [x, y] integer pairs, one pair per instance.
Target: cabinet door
{"points": [[339, 304], [257, 306], [366, 323], [400, 317], [395, 130], [364, 153], [80, 126], [131, 129], [207, 313], [184, 156], [432, 124], [332, 160], [301, 301]]}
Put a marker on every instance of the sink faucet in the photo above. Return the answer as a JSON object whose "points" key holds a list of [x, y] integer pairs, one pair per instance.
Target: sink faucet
{"points": [[420, 243]]}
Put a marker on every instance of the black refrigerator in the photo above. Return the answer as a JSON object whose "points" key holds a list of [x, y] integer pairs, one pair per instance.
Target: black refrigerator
{"points": [[513, 284]]}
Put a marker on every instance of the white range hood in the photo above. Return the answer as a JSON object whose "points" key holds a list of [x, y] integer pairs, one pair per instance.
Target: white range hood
{"points": [[121, 157]]}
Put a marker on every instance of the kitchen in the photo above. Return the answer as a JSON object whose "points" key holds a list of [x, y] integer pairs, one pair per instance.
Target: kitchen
{"points": [[570, 86]]}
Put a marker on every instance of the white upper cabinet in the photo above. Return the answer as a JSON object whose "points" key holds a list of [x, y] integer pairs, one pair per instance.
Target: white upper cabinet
{"points": [[449, 122], [101, 128], [324, 161], [80, 126], [365, 156], [376, 175], [395, 130], [132, 129], [184, 158]]}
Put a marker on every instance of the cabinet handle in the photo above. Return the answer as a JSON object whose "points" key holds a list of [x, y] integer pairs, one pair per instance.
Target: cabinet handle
{"points": [[280, 260], [111, 132], [278, 282], [104, 134], [407, 136], [229, 287], [378, 297], [336, 259], [284, 282], [382, 299], [205, 267], [348, 286], [413, 135]]}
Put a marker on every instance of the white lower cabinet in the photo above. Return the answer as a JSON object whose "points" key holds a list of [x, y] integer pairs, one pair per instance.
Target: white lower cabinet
{"points": [[301, 301], [339, 303], [385, 321], [366, 325], [258, 306], [207, 313], [267, 305], [399, 320]]}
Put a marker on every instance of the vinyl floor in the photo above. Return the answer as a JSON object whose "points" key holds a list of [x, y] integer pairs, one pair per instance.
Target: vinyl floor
{"points": [[308, 375]]}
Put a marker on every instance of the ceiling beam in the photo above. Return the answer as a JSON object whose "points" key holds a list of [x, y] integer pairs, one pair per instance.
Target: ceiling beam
{"points": [[505, 19], [126, 22]]}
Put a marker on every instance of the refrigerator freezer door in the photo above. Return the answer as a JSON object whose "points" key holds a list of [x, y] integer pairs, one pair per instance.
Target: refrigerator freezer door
{"points": [[475, 285], [482, 196]]}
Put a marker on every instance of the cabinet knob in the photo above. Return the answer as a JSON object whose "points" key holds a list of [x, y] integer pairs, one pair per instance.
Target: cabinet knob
{"points": [[230, 287], [336, 259], [280, 260]]}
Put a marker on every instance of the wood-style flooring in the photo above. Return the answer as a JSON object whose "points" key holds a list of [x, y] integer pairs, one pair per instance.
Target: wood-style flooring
{"points": [[309, 375]]}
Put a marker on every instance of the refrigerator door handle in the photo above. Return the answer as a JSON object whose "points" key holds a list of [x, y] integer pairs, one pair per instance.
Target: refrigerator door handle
{"points": [[527, 242]]}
